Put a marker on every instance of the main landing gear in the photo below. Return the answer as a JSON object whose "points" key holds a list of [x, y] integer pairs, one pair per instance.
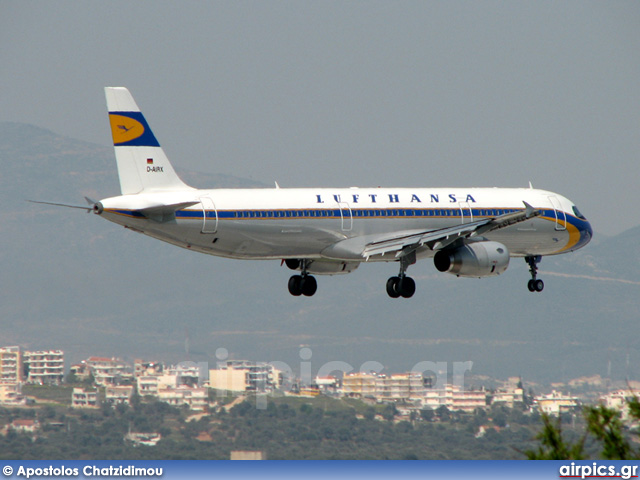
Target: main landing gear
{"points": [[304, 284], [535, 284], [402, 285]]}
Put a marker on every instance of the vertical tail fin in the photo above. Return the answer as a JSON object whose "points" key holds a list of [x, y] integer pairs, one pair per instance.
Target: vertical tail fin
{"points": [[142, 164]]}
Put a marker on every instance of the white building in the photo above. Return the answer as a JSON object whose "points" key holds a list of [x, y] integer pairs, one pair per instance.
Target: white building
{"points": [[455, 398], [152, 384], [556, 403], [359, 385], [142, 368], [11, 395], [397, 387], [45, 367], [400, 387], [10, 365], [244, 376], [327, 385], [508, 396], [25, 425], [194, 398], [119, 394], [108, 371], [84, 399], [188, 373], [619, 400], [146, 439]]}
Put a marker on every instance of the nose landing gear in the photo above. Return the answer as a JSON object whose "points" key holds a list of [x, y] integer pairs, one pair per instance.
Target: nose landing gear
{"points": [[535, 284]]}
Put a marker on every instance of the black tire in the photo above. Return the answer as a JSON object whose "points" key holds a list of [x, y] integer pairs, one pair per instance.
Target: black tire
{"points": [[407, 287], [392, 287], [295, 285], [538, 285], [292, 263], [309, 286], [531, 285]]}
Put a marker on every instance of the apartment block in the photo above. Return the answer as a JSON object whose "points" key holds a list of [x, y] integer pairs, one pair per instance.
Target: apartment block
{"points": [[11, 395], [508, 396], [455, 398], [10, 365], [619, 400], [143, 368], [556, 403], [359, 385], [244, 376], [80, 398], [107, 371], [194, 398], [119, 394], [44, 367], [152, 384], [384, 388]]}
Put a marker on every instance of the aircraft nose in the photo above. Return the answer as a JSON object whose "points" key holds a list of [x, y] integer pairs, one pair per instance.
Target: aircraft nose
{"points": [[586, 234]]}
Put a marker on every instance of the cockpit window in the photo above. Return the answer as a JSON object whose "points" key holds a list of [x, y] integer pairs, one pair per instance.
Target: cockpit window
{"points": [[577, 212]]}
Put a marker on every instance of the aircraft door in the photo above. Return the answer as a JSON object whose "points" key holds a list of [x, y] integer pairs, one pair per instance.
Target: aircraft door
{"points": [[210, 215], [346, 216], [561, 217], [466, 214]]}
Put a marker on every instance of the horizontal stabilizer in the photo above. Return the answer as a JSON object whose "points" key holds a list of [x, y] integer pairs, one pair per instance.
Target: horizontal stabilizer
{"points": [[164, 210]]}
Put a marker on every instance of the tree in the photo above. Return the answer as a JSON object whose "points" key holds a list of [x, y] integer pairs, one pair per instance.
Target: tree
{"points": [[603, 423], [427, 414], [443, 413], [554, 446]]}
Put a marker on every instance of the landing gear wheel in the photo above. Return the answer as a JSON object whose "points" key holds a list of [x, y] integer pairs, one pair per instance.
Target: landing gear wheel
{"points": [[392, 287], [407, 287], [538, 285], [303, 285], [295, 285], [292, 263], [309, 286], [534, 285]]}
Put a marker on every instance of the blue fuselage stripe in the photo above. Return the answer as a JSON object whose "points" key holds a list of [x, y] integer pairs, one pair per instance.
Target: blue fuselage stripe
{"points": [[366, 213]]}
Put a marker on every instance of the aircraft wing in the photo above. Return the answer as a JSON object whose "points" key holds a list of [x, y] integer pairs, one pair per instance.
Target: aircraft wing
{"points": [[403, 245]]}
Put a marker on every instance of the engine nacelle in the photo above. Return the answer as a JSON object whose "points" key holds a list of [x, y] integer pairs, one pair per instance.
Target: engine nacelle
{"points": [[477, 259], [323, 267]]}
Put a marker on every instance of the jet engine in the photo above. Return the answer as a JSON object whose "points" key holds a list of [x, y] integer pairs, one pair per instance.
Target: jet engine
{"points": [[323, 267], [478, 259]]}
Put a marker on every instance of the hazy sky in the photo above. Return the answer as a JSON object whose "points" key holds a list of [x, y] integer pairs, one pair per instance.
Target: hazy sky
{"points": [[351, 93]]}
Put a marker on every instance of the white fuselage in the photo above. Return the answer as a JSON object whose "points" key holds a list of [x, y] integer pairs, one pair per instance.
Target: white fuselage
{"points": [[337, 223]]}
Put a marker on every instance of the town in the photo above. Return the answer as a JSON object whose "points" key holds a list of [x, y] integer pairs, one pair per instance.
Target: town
{"points": [[113, 382]]}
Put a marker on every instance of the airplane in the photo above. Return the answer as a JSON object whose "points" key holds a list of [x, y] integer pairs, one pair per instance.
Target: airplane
{"points": [[469, 232]]}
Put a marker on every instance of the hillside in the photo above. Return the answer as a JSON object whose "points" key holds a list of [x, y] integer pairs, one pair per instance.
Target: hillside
{"points": [[75, 282]]}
